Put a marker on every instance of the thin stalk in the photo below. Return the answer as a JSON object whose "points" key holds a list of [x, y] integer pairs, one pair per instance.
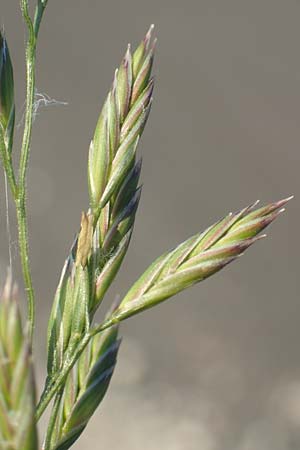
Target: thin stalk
{"points": [[24, 255], [52, 420], [33, 29], [25, 149], [56, 382]]}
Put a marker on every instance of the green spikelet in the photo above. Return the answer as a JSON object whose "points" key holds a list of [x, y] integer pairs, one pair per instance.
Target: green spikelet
{"points": [[197, 258], [120, 125], [70, 318], [17, 388], [85, 388], [113, 171]]}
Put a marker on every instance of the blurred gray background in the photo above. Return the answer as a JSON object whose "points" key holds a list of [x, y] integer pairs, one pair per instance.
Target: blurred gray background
{"points": [[217, 368]]}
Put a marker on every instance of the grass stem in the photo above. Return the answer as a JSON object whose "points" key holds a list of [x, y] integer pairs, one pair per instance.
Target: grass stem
{"points": [[20, 198]]}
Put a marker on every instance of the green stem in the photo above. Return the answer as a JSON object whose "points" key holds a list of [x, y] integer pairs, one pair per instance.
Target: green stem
{"points": [[33, 29], [55, 383], [21, 197], [52, 421], [24, 255]]}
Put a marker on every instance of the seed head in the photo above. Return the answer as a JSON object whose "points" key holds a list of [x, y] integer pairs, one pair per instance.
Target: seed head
{"points": [[198, 258]]}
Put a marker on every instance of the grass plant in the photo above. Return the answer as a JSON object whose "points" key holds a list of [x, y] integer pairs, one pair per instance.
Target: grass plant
{"points": [[82, 354]]}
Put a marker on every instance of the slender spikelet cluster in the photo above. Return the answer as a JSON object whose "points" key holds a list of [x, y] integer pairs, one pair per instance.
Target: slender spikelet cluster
{"points": [[113, 171], [106, 229], [17, 389], [7, 102], [85, 388], [197, 258]]}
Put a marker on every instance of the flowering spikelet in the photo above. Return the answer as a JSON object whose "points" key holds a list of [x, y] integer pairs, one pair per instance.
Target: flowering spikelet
{"points": [[17, 389], [112, 169], [120, 125], [197, 258]]}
